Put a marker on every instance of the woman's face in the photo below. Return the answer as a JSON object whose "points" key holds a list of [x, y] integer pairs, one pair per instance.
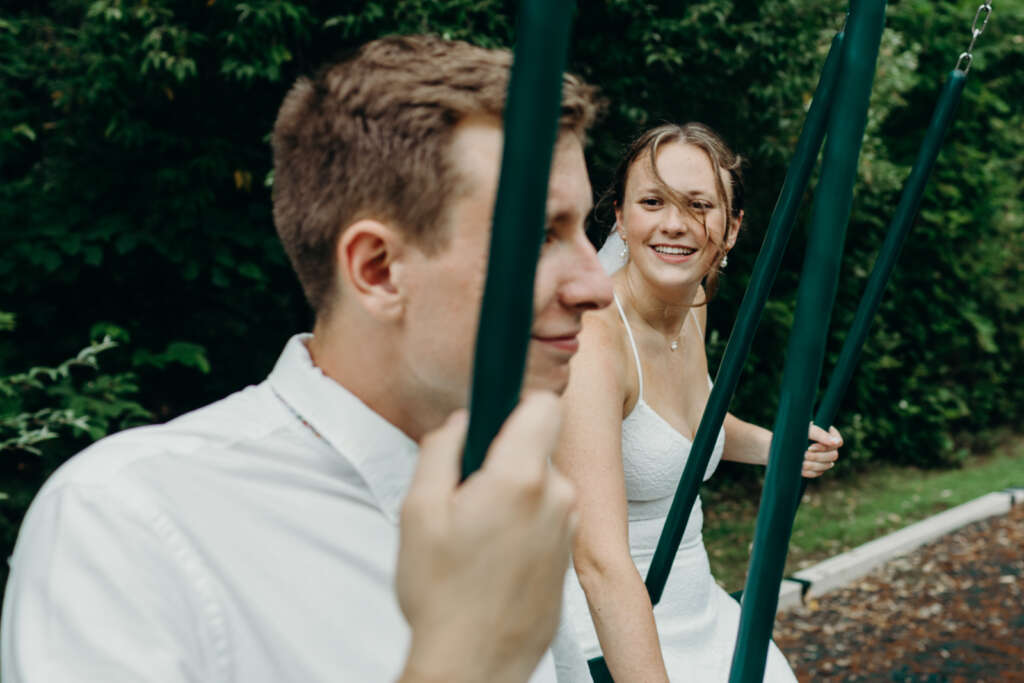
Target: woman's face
{"points": [[670, 244]]}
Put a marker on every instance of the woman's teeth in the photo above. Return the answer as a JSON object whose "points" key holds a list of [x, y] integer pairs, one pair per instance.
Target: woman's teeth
{"points": [[676, 251]]}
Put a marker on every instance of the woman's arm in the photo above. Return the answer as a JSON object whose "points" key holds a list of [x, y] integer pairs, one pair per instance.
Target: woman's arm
{"points": [[748, 443], [589, 455], [745, 442]]}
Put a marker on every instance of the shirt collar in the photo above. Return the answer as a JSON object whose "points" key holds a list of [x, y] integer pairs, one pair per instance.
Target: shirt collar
{"points": [[382, 454]]}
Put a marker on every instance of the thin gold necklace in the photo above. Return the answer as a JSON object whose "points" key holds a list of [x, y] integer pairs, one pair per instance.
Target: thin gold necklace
{"points": [[674, 344]]}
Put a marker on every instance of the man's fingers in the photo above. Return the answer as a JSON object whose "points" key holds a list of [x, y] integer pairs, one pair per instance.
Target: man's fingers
{"points": [[437, 472], [528, 437]]}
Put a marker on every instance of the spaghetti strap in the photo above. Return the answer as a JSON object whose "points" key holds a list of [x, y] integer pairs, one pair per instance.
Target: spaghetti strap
{"points": [[632, 342], [697, 322], [701, 332]]}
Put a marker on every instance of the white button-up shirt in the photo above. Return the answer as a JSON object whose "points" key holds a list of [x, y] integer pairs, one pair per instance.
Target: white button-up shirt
{"points": [[252, 540]]}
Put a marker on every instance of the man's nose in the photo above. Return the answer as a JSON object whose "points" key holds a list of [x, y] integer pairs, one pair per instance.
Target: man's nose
{"points": [[588, 287]]}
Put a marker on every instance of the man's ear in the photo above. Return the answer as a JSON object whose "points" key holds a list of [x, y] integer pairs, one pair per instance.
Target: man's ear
{"points": [[734, 230], [366, 256]]}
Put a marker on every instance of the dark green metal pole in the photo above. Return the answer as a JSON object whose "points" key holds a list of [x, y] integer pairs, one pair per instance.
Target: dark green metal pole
{"points": [[531, 127], [780, 228], [899, 228], [819, 280]]}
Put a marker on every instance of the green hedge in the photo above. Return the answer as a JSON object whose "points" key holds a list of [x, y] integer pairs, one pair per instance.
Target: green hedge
{"points": [[135, 173]]}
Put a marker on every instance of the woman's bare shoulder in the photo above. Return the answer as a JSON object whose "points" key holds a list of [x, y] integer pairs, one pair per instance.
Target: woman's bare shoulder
{"points": [[601, 338], [602, 364]]}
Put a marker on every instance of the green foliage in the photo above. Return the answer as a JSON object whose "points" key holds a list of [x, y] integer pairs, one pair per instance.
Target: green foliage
{"points": [[48, 413], [944, 349], [23, 427], [135, 186]]}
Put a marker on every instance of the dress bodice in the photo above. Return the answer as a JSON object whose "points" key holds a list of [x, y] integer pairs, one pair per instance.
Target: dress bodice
{"points": [[653, 457], [654, 454]]}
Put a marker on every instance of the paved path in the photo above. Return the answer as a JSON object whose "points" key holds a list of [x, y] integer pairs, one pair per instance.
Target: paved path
{"points": [[951, 611]]}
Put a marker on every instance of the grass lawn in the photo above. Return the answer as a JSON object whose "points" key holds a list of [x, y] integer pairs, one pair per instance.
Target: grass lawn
{"points": [[841, 513]]}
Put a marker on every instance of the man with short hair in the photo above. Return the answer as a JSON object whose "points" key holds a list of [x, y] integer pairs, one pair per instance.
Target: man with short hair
{"points": [[257, 539]]}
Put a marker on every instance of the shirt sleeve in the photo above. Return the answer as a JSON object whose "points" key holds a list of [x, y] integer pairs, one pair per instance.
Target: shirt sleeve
{"points": [[103, 588]]}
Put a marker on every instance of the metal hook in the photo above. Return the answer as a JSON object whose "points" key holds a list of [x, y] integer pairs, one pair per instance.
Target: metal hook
{"points": [[963, 63]]}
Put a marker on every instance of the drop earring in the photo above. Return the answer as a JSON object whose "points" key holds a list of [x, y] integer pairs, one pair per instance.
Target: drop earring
{"points": [[725, 261]]}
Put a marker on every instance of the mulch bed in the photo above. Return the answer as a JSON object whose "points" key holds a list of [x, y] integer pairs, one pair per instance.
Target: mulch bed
{"points": [[951, 611]]}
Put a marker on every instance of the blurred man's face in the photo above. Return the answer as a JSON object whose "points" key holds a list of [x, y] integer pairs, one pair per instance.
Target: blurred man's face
{"points": [[443, 312]]}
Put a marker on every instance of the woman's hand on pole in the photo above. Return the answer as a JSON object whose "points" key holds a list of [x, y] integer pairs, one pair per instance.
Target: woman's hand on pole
{"points": [[823, 452]]}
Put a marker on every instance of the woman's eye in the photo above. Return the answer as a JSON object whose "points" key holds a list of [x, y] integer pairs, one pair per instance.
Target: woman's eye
{"points": [[701, 205], [650, 201]]}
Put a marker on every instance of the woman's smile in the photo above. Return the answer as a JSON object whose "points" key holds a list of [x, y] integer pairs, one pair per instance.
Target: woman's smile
{"points": [[673, 253]]}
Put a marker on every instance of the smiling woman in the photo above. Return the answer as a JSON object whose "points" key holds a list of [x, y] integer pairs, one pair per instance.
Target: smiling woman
{"points": [[697, 177], [637, 391]]}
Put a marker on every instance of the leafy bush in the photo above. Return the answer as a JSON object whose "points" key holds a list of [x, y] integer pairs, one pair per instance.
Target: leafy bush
{"points": [[48, 413]]}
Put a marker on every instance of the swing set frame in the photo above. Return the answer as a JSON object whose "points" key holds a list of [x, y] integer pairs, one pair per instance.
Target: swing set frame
{"points": [[837, 116]]}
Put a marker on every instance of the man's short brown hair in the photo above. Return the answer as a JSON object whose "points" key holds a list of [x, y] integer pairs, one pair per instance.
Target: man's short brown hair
{"points": [[369, 138]]}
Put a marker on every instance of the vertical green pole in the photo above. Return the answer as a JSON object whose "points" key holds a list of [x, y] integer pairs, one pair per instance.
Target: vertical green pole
{"points": [[899, 227], [819, 280], [599, 672], [780, 227], [531, 128]]}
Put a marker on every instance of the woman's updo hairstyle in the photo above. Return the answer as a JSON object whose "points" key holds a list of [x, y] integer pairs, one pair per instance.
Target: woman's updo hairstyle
{"points": [[721, 157]]}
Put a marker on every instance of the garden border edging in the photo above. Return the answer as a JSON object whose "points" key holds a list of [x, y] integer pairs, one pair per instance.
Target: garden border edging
{"points": [[853, 564]]}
